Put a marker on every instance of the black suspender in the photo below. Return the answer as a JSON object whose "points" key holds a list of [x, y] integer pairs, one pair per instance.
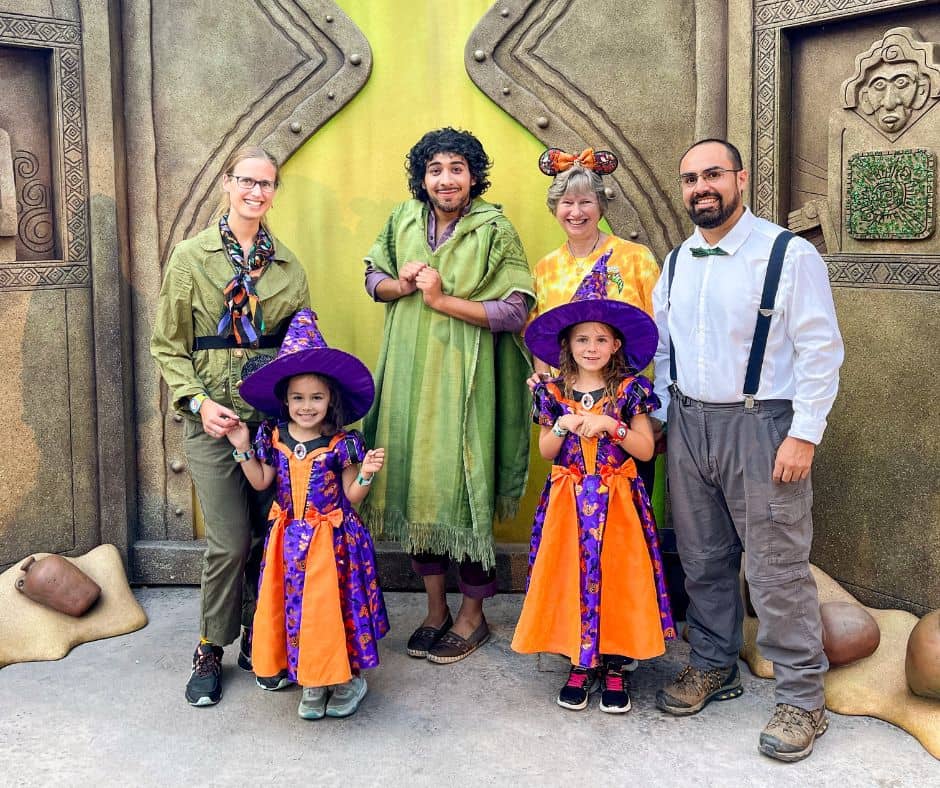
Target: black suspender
{"points": [[761, 329], [771, 279], [673, 255]]}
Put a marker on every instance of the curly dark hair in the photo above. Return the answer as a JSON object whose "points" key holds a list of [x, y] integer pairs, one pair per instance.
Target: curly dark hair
{"points": [[447, 140]]}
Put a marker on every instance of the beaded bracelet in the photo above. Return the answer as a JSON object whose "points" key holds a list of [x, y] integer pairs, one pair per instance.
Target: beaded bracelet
{"points": [[362, 481], [243, 456], [558, 431]]}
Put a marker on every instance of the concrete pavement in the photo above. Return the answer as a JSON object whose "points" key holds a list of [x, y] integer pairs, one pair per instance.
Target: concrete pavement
{"points": [[112, 712]]}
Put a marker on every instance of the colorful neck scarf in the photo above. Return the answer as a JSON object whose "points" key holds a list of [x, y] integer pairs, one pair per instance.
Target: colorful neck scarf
{"points": [[242, 316]]}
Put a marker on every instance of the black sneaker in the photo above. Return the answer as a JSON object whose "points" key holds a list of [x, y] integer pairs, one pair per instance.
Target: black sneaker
{"points": [[244, 649], [581, 682], [274, 683], [615, 695], [204, 687]]}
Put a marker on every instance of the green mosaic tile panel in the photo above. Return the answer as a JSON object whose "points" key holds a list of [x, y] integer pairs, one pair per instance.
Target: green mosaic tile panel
{"points": [[890, 195]]}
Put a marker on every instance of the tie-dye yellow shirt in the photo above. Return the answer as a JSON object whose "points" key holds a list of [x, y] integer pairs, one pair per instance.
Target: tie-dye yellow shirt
{"points": [[632, 273]]}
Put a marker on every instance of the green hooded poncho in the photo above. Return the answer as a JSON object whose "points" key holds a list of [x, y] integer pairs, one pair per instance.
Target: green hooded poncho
{"points": [[451, 406]]}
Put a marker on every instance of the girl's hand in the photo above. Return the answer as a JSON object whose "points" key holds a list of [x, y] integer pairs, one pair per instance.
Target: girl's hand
{"points": [[571, 422], [217, 420], [537, 377], [373, 462], [238, 436], [594, 424]]}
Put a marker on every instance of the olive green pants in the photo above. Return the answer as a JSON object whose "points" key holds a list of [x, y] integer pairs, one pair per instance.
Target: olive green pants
{"points": [[236, 522]]}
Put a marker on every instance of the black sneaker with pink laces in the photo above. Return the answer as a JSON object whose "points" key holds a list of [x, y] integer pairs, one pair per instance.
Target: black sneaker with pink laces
{"points": [[615, 694], [581, 682]]}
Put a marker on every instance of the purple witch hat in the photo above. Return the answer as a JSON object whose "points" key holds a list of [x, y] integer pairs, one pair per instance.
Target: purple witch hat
{"points": [[590, 304], [304, 351]]}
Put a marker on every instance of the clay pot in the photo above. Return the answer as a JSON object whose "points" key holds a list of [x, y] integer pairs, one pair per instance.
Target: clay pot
{"points": [[849, 632], [57, 583], [922, 664]]}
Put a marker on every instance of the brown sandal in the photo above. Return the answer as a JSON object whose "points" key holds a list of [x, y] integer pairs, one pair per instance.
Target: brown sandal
{"points": [[453, 648]]}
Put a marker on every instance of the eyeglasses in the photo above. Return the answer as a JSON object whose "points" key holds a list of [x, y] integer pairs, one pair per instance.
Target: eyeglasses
{"points": [[246, 184], [711, 175]]}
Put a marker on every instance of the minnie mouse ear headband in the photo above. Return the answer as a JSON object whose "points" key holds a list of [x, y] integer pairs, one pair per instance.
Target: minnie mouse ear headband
{"points": [[304, 351], [555, 161]]}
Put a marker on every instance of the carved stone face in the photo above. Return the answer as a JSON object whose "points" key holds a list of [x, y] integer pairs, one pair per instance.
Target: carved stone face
{"points": [[892, 92]]}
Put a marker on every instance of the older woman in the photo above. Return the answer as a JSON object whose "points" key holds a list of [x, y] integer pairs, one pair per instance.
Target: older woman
{"points": [[577, 200], [228, 296]]}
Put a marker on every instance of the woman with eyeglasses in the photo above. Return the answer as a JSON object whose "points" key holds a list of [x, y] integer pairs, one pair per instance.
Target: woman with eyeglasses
{"points": [[227, 298]]}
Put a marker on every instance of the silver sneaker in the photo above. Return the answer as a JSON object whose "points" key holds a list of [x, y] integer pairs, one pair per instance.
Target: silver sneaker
{"points": [[313, 703], [346, 697]]}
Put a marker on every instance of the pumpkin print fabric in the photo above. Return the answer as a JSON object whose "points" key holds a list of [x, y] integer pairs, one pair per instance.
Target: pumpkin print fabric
{"points": [[320, 610]]}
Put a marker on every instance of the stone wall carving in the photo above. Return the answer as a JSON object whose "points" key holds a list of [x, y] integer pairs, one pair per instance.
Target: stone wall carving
{"points": [[33, 202], [845, 137], [529, 57], [62, 39]]}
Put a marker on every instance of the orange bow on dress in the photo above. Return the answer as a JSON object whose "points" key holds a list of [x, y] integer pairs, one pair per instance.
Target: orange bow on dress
{"points": [[324, 658]]}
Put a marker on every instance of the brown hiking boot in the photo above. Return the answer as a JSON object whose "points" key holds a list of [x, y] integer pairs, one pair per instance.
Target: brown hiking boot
{"points": [[694, 688], [790, 734]]}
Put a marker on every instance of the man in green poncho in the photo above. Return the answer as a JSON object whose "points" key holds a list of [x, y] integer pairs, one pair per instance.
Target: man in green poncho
{"points": [[451, 406]]}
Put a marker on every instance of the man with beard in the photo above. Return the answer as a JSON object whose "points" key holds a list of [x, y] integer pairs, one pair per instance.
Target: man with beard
{"points": [[747, 370], [451, 405]]}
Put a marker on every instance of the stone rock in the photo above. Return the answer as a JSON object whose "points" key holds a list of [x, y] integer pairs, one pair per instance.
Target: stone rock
{"points": [[922, 663], [849, 632]]}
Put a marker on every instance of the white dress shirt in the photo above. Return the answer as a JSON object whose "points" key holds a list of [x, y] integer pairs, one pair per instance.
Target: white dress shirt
{"points": [[714, 307]]}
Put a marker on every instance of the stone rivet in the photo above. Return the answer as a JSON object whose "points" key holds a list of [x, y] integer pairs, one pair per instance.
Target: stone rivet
{"points": [[177, 418], [331, 95], [329, 17], [810, 211], [238, 384], [295, 127], [609, 192], [177, 466], [479, 56], [238, 352], [355, 59], [178, 511], [634, 235], [504, 13], [542, 122], [506, 91]]}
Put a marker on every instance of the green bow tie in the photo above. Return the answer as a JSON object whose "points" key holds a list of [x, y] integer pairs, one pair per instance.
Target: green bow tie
{"points": [[701, 251]]}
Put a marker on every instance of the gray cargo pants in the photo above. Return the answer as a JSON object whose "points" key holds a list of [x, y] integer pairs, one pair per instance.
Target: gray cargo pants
{"points": [[236, 522], [724, 500]]}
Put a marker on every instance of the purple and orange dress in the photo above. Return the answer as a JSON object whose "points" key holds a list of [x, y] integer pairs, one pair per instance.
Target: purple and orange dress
{"points": [[596, 584], [320, 610]]}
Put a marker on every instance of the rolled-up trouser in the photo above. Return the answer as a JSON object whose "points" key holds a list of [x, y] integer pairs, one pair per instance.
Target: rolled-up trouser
{"points": [[236, 520], [472, 579], [724, 499]]}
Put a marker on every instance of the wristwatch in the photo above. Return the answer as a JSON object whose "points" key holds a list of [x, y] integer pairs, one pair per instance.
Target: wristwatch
{"points": [[195, 402], [620, 432]]}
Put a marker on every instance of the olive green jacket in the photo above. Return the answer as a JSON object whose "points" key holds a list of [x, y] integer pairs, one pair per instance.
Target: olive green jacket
{"points": [[190, 306]]}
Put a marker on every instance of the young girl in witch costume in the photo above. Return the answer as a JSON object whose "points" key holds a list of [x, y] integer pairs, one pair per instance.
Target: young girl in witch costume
{"points": [[596, 587], [320, 611]]}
